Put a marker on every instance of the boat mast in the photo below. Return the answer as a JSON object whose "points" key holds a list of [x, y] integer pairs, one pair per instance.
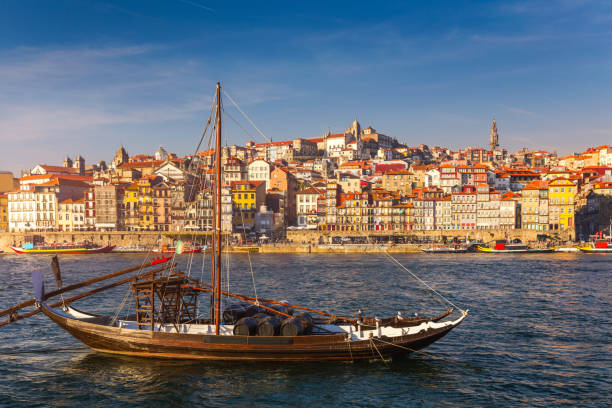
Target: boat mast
{"points": [[217, 214]]}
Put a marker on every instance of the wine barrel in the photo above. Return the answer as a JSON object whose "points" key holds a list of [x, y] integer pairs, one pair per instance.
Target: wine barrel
{"points": [[306, 319], [292, 327], [268, 326], [233, 313], [247, 326], [252, 310], [279, 308]]}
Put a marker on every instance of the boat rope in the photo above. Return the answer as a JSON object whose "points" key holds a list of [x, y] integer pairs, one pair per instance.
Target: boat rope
{"points": [[378, 351], [398, 263], [350, 350], [250, 263], [245, 115], [227, 271], [238, 124], [128, 290]]}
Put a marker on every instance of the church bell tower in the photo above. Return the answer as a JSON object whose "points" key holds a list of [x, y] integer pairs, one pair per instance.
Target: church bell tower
{"points": [[494, 138]]}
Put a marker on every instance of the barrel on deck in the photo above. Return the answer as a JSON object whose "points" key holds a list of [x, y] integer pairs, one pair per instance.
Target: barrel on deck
{"points": [[292, 327], [247, 326], [233, 313], [268, 326], [306, 319]]}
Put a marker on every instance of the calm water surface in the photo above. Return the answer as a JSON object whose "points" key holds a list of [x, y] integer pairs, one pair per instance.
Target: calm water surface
{"points": [[538, 334]]}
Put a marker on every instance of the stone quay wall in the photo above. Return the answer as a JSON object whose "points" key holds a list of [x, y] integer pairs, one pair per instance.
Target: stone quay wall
{"points": [[314, 237], [301, 241]]}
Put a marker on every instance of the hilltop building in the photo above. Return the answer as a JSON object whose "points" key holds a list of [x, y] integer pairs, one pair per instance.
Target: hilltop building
{"points": [[494, 138]]}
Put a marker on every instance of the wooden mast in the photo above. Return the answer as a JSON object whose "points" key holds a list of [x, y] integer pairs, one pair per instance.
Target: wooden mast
{"points": [[217, 214]]}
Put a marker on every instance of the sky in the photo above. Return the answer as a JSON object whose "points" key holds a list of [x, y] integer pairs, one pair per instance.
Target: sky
{"points": [[84, 77]]}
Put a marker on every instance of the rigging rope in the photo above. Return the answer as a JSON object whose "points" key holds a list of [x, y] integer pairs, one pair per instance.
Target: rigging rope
{"points": [[398, 263], [250, 263], [245, 115]]}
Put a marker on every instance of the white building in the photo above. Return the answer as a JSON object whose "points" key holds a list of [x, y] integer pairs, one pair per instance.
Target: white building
{"points": [[34, 206], [306, 202], [71, 215], [259, 170]]}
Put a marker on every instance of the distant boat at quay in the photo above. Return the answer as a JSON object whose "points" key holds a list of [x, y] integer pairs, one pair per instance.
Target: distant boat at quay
{"points": [[172, 250], [452, 249], [516, 246], [601, 246], [62, 249], [566, 249]]}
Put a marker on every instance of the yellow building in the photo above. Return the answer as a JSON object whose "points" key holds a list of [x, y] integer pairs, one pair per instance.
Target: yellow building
{"points": [[145, 203], [4, 213], [130, 201], [247, 197], [561, 195]]}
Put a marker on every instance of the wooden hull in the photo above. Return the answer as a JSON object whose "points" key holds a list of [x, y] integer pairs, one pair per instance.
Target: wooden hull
{"points": [[75, 250], [332, 347]]}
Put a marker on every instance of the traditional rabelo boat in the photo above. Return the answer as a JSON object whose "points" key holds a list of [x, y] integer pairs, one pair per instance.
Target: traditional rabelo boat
{"points": [[62, 249], [517, 247], [166, 322]]}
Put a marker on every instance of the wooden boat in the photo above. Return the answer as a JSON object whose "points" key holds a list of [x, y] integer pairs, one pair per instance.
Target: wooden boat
{"points": [[63, 249], [166, 322], [445, 250], [565, 249], [517, 247]]}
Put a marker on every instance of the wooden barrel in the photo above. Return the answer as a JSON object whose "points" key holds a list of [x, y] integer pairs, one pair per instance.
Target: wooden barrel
{"points": [[268, 326], [306, 319], [292, 327], [233, 313], [247, 326]]}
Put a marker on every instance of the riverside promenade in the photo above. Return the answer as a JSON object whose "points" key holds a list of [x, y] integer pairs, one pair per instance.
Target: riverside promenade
{"points": [[296, 241]]}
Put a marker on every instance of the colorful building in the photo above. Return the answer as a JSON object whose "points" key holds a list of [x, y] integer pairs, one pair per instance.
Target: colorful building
{"points": [[130, 207], [247, 197], [534, 206], [561, 200]]}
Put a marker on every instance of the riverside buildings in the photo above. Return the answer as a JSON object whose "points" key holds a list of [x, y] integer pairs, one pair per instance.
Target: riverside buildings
{"points": [[359, 180]]}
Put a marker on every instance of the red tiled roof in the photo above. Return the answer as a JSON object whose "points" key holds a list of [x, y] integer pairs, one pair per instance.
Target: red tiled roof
{"points": [[311, 190], [58, 169], [151, 163], [536, 185]]}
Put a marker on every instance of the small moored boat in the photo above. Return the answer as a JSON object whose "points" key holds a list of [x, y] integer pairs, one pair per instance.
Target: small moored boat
{"points": [[601, 246], [516, 247], [62, 249]]}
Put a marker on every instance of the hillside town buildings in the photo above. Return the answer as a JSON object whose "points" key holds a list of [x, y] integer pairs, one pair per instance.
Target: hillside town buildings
{"points": [[359, 180]]}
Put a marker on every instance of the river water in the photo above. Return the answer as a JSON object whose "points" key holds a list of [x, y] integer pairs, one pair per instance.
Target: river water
{"points": [[538, 334]]}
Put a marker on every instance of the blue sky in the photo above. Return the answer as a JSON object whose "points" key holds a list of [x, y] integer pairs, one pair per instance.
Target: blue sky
{"points": [[83, 77]]}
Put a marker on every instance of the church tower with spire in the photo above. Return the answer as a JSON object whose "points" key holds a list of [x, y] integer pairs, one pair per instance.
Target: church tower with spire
{"points": [[494, 138], [120, 157]]}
